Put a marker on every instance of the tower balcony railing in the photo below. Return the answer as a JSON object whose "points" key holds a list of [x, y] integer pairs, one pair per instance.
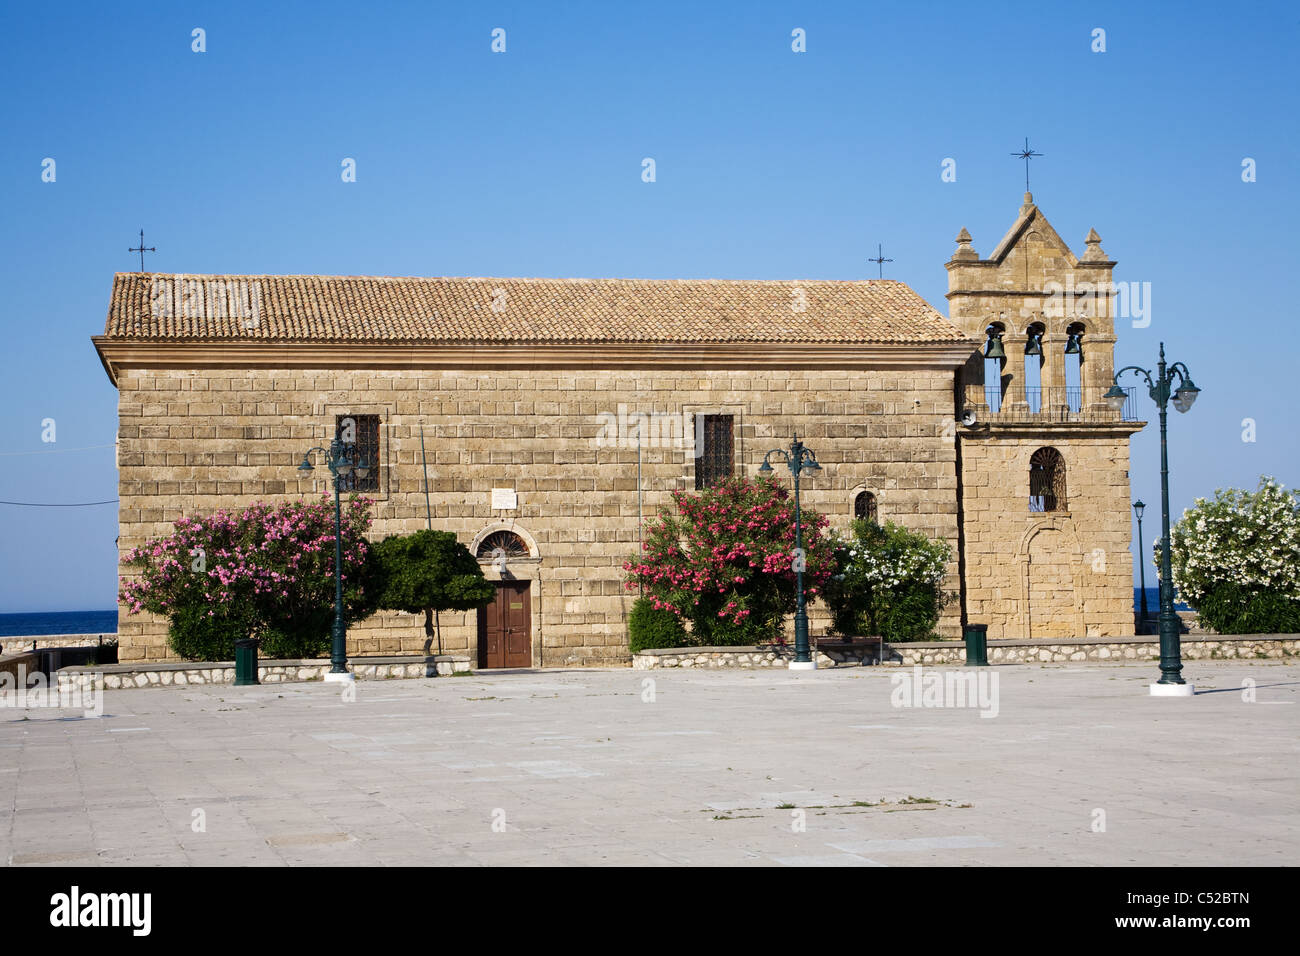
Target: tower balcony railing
{"points": [[1016, 403]]}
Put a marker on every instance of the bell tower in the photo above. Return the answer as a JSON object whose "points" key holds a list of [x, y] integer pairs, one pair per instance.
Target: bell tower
{"points": [[1044, 460]]}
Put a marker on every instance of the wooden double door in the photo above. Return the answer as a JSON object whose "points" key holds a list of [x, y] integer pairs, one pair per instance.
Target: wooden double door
{"points": [[505, 627]]}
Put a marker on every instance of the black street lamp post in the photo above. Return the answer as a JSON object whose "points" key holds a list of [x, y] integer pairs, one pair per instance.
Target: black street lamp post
{"points": [[1138, 507], [1171, 683], [799, 459], [339, 459]]}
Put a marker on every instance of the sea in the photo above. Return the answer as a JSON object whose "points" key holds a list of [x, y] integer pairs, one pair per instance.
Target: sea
{"points": [[1153, 601], [59, 622], [105, 622]]}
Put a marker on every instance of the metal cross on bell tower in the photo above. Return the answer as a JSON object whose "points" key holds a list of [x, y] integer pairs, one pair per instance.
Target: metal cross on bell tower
{"points": [[1026, 154]]}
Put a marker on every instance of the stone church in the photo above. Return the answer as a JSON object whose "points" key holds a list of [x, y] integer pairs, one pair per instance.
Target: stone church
{"points": [[545, 420]]}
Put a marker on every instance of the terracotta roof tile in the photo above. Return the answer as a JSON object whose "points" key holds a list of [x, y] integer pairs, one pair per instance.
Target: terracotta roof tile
{"points": [[164, 307]]}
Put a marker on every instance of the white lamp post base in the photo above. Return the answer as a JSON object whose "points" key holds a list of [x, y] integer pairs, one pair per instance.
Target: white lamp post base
{"points": [[346, 678], [1173, 690], [803, 665]]}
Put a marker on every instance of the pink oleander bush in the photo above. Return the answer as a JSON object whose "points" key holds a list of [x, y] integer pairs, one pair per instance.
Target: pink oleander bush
{"points": [[725, 562], [265, 572]]}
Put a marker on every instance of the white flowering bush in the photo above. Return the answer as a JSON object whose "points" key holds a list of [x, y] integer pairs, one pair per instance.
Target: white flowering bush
{"points": [[1236, 559], [886, 582]]}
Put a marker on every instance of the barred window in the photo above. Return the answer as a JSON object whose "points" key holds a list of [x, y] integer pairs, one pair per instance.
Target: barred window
{"points": [[360, 437], [864, 507], [1047, 480], [717, 455]]}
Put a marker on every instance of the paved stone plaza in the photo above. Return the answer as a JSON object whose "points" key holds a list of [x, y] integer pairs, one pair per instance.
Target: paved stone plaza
{"points": [[578, 767]]}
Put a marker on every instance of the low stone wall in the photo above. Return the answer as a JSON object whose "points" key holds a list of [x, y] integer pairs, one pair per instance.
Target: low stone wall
{"points": [[1218, 647], [15, 644], [763, 655], [1145, 647], [116, 676]]}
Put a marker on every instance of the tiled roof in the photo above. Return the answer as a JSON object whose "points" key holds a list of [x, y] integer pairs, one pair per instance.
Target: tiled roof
{"points": [[163, 307]]}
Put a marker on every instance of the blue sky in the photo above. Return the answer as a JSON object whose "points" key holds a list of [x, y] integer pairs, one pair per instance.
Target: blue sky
{"points": [[770, 165]]}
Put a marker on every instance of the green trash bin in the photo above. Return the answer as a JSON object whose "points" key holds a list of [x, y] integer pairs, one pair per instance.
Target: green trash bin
{"points": [[246, 661], [977, 645]]}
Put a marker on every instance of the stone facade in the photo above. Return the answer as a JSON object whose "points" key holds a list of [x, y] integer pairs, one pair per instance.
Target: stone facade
{"points": [[1067, 570], [193, 441], [1047, 574]]}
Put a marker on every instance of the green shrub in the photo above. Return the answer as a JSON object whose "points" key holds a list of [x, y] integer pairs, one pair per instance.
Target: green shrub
{"points": [[648, 626], [197, 635], [1230, 608], [887, 583], [1250, 539], [911, 613], [314, 638], [711, 629]]}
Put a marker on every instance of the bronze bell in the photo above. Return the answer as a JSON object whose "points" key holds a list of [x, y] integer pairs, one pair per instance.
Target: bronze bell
{"points": [[1072, 344], [994, 349], [1034, 345]]}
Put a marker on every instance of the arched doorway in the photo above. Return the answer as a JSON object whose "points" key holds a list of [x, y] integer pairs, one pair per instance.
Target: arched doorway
{"points": [[505, 626]]}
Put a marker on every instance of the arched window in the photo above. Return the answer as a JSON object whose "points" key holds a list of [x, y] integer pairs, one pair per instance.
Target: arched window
{"points": [[1074, 365], [995, 358], [864, 507], [504, 542], [1034, 365], [1047, 481]]}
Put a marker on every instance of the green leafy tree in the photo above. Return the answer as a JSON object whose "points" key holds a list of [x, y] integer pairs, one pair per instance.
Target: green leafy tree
{"points": [[427, 572], [887, 583], [1236, 559]]}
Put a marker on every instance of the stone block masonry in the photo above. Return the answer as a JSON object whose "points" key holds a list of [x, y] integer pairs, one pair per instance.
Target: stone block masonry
{"points": [[1055, 573], [195, 441]]}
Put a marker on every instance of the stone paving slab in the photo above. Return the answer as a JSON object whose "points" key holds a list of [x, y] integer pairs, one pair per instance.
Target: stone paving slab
{"points": [[580, 767]]}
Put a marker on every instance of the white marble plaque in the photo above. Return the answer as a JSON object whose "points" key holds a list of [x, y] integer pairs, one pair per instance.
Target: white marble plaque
{"points": [[504, 499]]}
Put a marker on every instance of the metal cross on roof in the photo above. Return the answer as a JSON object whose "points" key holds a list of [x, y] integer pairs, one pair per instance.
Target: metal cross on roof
{"points": [[880, 259], [142, 249], [1026, 154]]}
